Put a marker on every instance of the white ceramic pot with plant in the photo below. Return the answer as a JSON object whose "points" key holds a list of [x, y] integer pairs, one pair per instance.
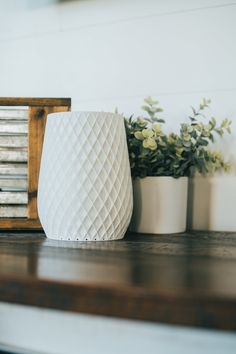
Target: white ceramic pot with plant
{"points": [[162, 162], [160, 204]]}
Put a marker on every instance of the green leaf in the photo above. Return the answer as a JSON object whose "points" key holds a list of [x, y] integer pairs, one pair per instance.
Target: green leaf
{"points": [[150, 101], [177, 154], [203, 142], [187, 143]]}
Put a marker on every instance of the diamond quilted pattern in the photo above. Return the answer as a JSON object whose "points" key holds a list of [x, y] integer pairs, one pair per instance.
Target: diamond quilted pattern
{"points": [[85, 189]]}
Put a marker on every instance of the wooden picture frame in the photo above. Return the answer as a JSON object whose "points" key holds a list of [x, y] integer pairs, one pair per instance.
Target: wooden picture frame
{"points": [[38, 109]]}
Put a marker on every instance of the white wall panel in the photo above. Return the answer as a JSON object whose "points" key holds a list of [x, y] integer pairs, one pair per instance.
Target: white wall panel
{"points": [[174, 54], [43, 16]]}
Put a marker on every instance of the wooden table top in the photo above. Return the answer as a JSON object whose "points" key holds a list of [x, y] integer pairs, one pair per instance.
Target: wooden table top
{"points": [[186, 279]]}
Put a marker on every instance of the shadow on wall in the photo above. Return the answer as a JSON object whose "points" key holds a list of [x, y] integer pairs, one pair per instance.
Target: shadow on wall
{"points": [[211, 203], [199, 203]]}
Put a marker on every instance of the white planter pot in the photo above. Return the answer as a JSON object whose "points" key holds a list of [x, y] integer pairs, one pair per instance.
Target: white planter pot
{"points": [[160, 205], [212, 202], [85, 188]]}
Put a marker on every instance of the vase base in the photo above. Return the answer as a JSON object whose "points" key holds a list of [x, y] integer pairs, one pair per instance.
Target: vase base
{"points": [[86, 238]]}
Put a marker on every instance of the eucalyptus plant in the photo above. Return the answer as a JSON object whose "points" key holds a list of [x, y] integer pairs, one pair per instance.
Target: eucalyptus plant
{"points": [[153, 152]]}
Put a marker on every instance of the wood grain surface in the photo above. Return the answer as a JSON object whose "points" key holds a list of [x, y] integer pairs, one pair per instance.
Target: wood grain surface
{"points": [[33, 101], [187, 279], [21, 141], [19, 223]]}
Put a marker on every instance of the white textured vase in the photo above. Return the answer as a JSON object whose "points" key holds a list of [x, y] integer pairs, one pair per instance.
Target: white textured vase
{"points": [[85, 188], [160, 205]]}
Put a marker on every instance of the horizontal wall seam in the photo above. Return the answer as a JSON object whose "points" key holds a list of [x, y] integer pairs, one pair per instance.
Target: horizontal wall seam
{"points": [[158, 94], [114, 22]]}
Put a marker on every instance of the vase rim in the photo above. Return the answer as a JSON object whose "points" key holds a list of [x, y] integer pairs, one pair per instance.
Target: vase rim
{"points": [[85, 112]]}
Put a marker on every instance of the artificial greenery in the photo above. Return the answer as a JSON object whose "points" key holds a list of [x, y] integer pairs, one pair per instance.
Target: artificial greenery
{"points": [[152, 152]]}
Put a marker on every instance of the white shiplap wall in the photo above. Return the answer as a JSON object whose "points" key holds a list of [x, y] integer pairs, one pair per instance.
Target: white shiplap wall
{"points": [[108, 53], [112, 53]]}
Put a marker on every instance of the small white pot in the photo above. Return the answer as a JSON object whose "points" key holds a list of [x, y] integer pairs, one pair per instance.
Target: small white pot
{"points": [[160, 205], [212, 203]]}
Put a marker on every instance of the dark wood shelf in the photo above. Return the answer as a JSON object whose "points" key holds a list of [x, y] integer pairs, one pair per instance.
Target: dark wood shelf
{"points": [[34, 101], [186, 279]]}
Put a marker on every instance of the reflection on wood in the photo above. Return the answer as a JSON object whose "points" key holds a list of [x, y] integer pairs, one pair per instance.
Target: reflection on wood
{"points": [[13, 262], [186, 279]]}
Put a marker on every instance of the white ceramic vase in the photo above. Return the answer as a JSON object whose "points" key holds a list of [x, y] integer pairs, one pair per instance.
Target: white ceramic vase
{"points": [[160, 205], [85, 187]]}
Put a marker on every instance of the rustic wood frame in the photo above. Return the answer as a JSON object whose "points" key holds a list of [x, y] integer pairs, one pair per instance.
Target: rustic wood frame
{"points": [[38, 109]]}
